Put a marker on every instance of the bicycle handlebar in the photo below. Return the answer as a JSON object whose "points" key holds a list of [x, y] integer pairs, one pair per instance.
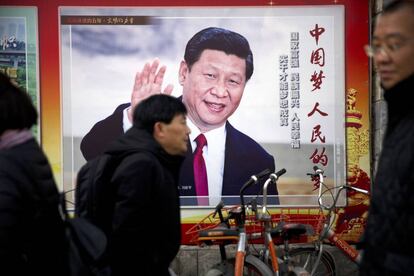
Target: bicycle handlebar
{"points": [[217, 210], [357, 189], [319, 173], [253, 180], [272, 179]]}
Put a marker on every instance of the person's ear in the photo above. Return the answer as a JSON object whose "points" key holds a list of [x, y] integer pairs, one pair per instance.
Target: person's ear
{"points": [[182, 73], [158, 130]]}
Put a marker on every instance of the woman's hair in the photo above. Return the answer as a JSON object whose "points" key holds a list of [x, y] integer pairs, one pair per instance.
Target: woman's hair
{"points": [[16, 108]]}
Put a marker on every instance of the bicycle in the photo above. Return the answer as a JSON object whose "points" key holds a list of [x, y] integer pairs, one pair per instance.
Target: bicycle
{"points": [[231, 229], [286, 260], [327, 233], [291, 262]]}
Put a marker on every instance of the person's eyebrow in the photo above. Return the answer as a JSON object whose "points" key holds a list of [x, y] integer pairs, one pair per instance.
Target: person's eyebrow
{"points": [[390, 36]]}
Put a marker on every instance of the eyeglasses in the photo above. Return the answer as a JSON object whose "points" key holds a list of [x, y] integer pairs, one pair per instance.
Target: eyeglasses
{"points": [[386, 49]]}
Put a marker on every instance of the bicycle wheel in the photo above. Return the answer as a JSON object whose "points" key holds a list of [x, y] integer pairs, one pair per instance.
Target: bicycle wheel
{"points": [[252, 267], [306, 257]]}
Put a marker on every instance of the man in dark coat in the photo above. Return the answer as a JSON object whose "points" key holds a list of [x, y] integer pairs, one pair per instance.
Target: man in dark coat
{"points": [[216, 67], [390, 225], [146, 231], [32, 240]]}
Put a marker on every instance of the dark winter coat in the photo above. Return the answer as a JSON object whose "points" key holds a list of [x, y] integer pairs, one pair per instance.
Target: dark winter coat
{"points": [[390, 227], [146, 231], [31, 231]]}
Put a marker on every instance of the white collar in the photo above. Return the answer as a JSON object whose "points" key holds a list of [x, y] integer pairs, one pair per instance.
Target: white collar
{"points": [[126, 124], [215, 137]]}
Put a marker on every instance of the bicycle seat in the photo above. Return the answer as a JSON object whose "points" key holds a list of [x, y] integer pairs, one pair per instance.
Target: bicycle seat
{"points": [[219, 233], [289, 230]]}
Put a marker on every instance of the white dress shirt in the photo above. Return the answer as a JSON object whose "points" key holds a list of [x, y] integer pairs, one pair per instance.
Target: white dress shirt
{"points": [[126, 124], [213, 154]]}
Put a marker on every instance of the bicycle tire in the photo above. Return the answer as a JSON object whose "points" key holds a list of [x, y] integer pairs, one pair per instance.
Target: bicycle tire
{"points": [[306, 257], [215, 272], [253, 266]]}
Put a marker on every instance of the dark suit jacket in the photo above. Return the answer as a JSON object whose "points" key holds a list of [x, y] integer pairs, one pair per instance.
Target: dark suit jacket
{"points": [[243, 158]]}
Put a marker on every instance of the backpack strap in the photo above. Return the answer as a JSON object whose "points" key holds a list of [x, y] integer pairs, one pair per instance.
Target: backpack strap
{"points": [[86, 176]]}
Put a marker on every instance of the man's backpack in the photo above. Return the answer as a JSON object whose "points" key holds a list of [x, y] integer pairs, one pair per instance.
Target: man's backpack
{"points": [[94, 207], [86, 254], [94, 194]]}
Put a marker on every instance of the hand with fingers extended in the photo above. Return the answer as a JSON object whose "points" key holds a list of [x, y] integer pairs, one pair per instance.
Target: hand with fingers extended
{"points": [[148, 82]]}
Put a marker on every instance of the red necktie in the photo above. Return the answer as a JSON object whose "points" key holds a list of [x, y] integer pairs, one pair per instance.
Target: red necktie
{"points": [[200, 172]]}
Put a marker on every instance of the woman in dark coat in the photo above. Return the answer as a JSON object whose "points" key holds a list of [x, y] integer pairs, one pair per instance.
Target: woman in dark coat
{"points": [[31, 231]]}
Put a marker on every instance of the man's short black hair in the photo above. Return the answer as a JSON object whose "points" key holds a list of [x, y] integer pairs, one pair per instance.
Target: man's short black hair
{"points": [[157, 108], [393, 5], [219, 39], [16, 108]]}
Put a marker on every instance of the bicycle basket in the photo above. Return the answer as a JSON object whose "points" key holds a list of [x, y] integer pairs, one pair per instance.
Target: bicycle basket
{"points": [[312, 217]]}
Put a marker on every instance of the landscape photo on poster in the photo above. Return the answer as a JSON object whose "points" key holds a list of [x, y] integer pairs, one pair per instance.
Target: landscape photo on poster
{"points": [[18, 51]]}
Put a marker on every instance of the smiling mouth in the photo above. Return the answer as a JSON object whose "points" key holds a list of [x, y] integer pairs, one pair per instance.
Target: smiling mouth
{"points": [[385, 74], [216, 107]]}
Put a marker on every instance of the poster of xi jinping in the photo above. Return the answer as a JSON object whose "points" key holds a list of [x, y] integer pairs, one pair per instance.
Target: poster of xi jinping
{"points": [[264, 85]]}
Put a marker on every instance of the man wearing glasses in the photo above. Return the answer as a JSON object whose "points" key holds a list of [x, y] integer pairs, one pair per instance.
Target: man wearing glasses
{"points": [[390, 225]]}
